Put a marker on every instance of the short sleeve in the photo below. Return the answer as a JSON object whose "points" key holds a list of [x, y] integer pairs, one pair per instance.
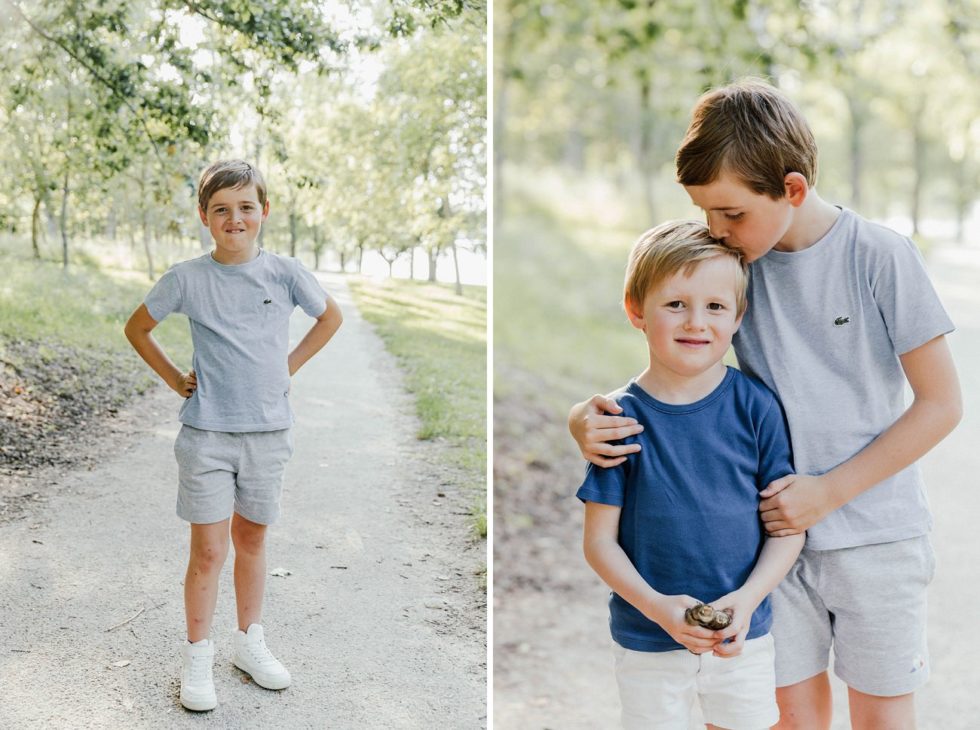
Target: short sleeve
{"points": [[775, 452], [306, 292], [165, 296], [907, 300], [604, 485]]}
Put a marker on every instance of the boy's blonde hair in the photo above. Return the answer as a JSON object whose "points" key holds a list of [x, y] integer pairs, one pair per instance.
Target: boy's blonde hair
{"points": [[677, 246], [751, 129], [229, 174]]}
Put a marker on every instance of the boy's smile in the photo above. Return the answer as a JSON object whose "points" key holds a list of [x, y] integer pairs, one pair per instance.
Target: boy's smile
{"points": [[234, 217], [689, 321]]}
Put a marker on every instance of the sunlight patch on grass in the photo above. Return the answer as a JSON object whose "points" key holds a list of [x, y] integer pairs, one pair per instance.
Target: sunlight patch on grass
{"points": [[440, 342]]}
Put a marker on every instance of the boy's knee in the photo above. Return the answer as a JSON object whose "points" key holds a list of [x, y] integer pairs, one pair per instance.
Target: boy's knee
{"points": [[209, 556], [248, 536]]}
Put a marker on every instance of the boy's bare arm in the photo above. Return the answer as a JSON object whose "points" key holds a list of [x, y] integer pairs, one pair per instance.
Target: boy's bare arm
{"points": [[795, 503], [137, 331], [604, 553], [318, 336], [592, 430], [777, 557]]}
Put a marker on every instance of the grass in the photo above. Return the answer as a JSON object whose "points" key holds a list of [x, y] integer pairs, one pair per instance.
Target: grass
{"points": [[440, 341], [83, 308]]}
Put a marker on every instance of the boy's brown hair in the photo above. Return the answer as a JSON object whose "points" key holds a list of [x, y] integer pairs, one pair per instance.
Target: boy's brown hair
{"points": [[229, 174], [748, 128], [677, 246]]}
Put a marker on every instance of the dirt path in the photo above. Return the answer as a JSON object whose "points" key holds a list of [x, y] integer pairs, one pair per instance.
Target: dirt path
{"points": [[552, 663], [381, 620]]}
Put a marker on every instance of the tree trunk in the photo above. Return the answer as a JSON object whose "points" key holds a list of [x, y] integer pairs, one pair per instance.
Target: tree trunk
{"points": [[110, 223], [919, 163], [459, 284], [500, 86], [360, 257], [35, 227], [343, 261], [433, 254], [146, 245], [857, 124], [411, 263], [63, 222], [293, 224], [644, 159]]}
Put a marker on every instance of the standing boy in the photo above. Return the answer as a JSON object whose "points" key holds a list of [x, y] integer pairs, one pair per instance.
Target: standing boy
{"points": [[680, 518], [235, 440], [841, 315]]}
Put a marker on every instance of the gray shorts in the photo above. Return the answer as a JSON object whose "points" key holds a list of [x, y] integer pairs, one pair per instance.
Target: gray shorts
{"points": [[223, 472], [869, 603]]}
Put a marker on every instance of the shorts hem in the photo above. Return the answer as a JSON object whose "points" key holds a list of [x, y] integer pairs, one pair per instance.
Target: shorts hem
{"points": [[201, 519], [886, 689], [781, 682], [754, 722], [265, 519]]}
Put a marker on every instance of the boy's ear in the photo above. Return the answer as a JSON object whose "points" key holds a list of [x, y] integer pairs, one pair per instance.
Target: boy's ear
{"points": [[265, 209], [204, 216], [634, 314], [796, 188]]}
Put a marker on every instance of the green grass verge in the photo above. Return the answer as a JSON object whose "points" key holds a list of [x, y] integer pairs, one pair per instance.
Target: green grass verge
{"points": [[84, 308], [440, 341]]}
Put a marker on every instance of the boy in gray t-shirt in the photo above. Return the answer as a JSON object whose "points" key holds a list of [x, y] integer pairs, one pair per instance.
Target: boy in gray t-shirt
{"points": [[235, 440], [841, 316]]}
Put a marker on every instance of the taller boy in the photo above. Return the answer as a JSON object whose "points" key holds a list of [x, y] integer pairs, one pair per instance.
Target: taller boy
{"points": [[839, 310], [236, 440]]}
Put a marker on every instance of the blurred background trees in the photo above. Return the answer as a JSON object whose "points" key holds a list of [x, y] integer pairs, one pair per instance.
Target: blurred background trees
{"points": [[605, 89], [367, 118]]}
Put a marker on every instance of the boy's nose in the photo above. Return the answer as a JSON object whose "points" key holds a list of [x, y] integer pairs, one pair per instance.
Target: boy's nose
{"points": [[717, 229], [695, 320]]}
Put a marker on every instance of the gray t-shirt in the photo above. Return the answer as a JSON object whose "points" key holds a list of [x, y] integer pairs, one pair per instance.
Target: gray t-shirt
{"points": [[239, 317], [824, 329]]}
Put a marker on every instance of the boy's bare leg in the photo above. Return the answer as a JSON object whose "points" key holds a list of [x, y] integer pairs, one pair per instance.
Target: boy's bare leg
{"points": [[249, 539], [870, 713], [209, 548], [805, 705]]}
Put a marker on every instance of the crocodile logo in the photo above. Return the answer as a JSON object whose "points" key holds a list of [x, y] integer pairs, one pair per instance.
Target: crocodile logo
{"points": [[842, 321]]}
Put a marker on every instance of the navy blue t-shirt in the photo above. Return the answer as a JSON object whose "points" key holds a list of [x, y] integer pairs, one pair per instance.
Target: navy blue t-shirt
{"points": [[690, 522]]}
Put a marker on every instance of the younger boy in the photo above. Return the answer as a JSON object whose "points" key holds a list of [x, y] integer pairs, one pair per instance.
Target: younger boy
{"points": [[841, 316], [236, 438], [678, 524]]}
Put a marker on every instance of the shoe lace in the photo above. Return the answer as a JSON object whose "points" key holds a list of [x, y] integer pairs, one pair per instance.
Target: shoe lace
{"points": [[260, 653]]}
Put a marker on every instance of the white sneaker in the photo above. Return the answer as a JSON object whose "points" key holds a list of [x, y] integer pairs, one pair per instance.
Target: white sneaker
{"points": [[254, 658], [196, 681]]}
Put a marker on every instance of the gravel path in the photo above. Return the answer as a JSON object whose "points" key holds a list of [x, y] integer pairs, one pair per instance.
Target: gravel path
{"points": [[381, 619], [552, 662]]}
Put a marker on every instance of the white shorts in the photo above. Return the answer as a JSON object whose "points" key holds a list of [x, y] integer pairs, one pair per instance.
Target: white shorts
{"points": [[869, 603], [657, 689]]}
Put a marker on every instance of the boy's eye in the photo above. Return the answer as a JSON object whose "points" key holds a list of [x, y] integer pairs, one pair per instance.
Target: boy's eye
{"points": [[675, 305], [716, 306], [734, 216]]}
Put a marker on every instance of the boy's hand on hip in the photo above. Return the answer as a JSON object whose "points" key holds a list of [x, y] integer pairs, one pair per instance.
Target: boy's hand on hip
{"points": [[592, 429], [186, 384], [669, 615], [793, 504]]}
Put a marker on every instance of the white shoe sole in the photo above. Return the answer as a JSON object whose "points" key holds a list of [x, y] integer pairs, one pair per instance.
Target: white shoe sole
{"points": [[263, 680], [198, 705]]}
